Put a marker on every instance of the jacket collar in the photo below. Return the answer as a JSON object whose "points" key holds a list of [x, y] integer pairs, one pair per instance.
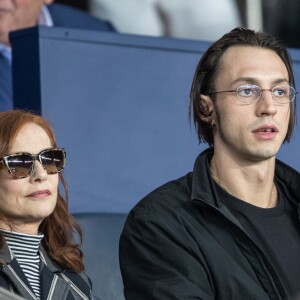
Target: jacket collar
{"points": [[6, 254], [291, 179], [202, 183], [13, 271], [56, 283], [203, 187], [54, 287], [48, 262]]}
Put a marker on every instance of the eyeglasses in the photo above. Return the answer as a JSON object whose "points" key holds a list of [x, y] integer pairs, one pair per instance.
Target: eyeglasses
{"points": [[249, 93], [21, 165]]}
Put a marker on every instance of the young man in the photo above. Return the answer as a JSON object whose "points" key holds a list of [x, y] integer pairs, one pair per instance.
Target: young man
{"points": [[19, 14], [230, 229]]}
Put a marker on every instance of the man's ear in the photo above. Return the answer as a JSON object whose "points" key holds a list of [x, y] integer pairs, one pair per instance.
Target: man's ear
{"points": [[206, 108]]}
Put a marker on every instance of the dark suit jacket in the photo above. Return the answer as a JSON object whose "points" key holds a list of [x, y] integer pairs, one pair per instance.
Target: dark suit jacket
{"points": [[55, 283], [63, 16], [66, 16]]}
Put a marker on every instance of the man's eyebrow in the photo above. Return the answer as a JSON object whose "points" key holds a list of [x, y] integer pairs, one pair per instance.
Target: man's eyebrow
{"points": [[246, 79], [281, 80], [253, 80]]}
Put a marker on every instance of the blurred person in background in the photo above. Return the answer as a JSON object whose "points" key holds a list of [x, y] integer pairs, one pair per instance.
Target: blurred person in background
{"points": [[284, 26], [192, 19], [131, 16], [38, 256], [20, 14]]}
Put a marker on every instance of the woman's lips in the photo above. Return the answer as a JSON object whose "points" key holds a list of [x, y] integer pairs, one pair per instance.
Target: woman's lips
{"points": [[39, 194]]}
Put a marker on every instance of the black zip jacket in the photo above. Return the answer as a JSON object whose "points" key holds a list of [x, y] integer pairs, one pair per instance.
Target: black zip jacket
{"points": [[181, 242]]}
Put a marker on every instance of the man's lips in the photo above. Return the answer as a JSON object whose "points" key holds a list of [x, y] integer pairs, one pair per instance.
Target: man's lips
{"points": [[39, 194], [265, 132], [266, 128]]}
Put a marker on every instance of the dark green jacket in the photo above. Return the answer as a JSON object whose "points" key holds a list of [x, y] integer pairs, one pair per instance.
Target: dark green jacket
{"points": [[181, 242]]}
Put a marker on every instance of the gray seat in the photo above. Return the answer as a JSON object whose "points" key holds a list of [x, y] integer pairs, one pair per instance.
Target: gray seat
{"points": [[101, 232]]}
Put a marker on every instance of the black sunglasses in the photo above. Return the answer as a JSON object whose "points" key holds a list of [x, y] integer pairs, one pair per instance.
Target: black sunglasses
{"points": [[21, 165]]}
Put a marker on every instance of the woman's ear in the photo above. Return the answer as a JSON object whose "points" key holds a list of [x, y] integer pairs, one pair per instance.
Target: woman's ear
{"points": [[206, 108]]}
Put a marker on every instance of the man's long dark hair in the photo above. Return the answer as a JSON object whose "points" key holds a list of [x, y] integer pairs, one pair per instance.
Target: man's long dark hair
{"points": [[209, 64]]}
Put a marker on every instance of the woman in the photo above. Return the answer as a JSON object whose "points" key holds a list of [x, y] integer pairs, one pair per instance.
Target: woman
{"points": [[38, 257]]}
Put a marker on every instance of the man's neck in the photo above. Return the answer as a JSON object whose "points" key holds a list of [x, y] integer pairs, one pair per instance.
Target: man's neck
{"points": [[252, 182]]}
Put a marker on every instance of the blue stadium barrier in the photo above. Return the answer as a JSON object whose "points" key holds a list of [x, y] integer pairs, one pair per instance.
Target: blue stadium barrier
{"points": [[119, 105]]}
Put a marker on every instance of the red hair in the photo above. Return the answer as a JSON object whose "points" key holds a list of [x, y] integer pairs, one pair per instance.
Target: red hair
{"points": [[60, 226]]}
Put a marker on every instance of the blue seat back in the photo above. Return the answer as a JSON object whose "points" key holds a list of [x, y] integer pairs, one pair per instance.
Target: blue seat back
{"points": [[101, 232]]}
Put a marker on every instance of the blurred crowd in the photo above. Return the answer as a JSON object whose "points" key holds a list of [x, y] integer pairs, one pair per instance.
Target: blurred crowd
{"points": [[194, 19]]}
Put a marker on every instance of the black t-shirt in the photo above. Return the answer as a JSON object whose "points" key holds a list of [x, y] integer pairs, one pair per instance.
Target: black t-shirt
{"points": [[275, 230]]}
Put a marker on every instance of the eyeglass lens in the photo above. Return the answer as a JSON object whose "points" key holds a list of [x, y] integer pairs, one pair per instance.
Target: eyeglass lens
{"points": [[280, 94], [21, 165]]}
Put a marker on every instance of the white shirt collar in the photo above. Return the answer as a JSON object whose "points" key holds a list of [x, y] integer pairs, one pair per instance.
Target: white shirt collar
{"points": [[45, 17], [5, 51]]}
